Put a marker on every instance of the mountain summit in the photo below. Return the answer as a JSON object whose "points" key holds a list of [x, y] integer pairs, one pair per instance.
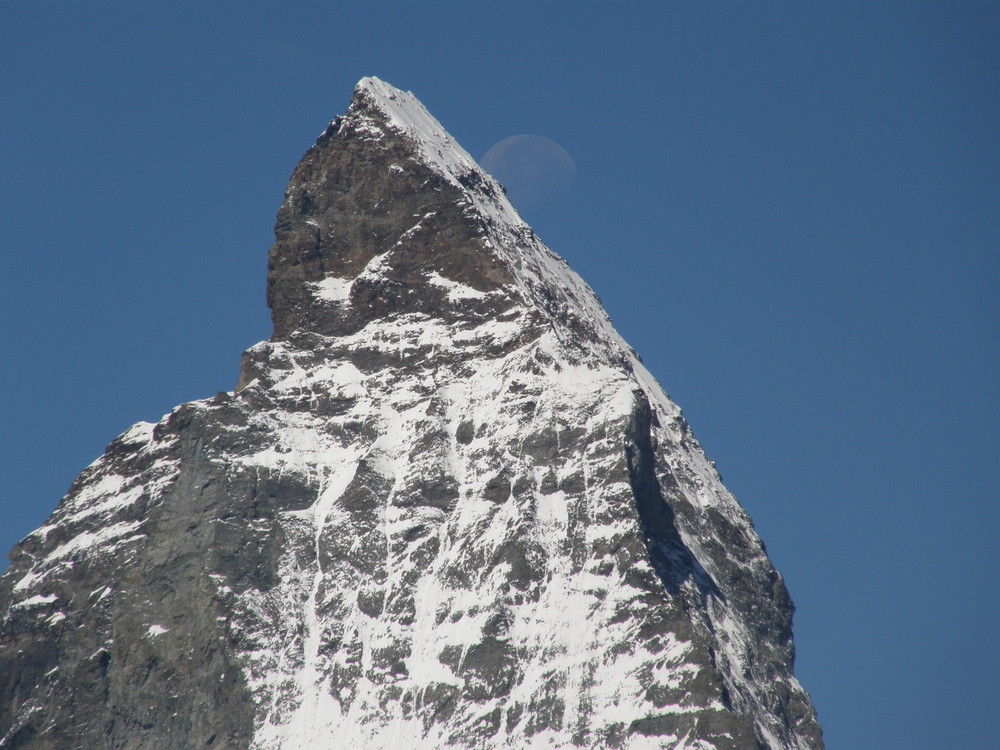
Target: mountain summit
{"points": [[445, 507]]}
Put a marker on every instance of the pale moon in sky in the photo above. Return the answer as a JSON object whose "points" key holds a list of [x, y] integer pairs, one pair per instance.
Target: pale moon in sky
{"points": [[533, 169]]}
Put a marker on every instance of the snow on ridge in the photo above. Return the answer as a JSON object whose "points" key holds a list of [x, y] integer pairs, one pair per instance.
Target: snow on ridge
{"points": [[408, 116], [140, 432], [99, 514]]}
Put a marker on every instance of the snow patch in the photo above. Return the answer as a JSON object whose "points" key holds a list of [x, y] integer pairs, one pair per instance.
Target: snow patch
{"points": [[456, 292], [107, 537], [333, 289], [36, 601]]}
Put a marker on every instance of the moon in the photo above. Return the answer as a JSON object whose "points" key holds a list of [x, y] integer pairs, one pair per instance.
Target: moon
{"points": [[534, 170]]}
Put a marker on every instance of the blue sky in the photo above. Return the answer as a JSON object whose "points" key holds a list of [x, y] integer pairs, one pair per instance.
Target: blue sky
{"points": [[789, 209]]}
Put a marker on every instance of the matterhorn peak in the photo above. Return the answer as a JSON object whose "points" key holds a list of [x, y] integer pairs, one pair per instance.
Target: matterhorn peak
{"points": [[444, 507]]}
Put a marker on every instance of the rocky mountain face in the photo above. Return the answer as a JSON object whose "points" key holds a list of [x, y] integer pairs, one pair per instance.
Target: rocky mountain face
{"points": [[445, 507]]}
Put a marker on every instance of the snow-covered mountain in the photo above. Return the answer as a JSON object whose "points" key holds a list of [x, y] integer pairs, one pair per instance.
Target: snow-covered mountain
{"points": [[445, 507]]}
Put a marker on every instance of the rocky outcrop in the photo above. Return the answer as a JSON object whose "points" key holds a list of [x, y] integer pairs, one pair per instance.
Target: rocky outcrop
{"points": [[445, 506]]}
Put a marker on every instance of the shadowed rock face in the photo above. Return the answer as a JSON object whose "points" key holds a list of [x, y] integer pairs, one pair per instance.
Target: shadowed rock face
{"points": [[444, 507]]}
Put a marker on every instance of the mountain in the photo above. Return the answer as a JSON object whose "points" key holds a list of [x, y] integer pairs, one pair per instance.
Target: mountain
{"points": [[444, 507]]}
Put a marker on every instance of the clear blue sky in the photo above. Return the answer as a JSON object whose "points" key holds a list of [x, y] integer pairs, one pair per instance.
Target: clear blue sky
{"points": [[790, 209]]}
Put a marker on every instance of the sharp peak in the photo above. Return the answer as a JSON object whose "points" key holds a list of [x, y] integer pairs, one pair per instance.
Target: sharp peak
{"points": [[404, 114], [381, 89], [402, 111]]}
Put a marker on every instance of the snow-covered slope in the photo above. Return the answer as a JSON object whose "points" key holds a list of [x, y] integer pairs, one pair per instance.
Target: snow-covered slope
{"points": [[446, 506]]}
